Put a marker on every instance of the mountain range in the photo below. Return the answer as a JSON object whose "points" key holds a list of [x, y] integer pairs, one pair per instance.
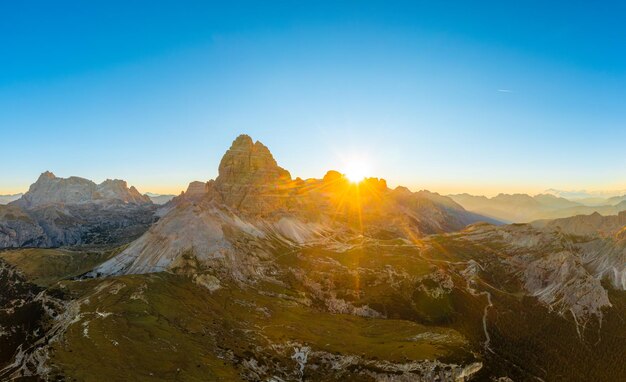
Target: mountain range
{"points": [[253, 195], [5, 199], [590, 198], [523, 208], [159, 199], [72, 211], [259, 276]]}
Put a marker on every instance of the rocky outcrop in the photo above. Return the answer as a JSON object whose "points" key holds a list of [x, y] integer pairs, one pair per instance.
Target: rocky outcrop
{"points": [[590, 225], [26, 312], [115, 189], [18, 229], [249, 178], [49, 189], [58, 212], [562, 271], [254, 205]]}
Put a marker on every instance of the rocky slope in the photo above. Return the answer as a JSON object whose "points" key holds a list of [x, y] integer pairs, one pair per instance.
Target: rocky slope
{"points": [[57, 212], [255, 200], [26, 315], [480, 304], [49, 189], [18, 228], [256, 276]]}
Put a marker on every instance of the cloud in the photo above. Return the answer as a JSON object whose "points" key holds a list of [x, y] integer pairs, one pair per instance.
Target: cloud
{"points": [[505, 90]]}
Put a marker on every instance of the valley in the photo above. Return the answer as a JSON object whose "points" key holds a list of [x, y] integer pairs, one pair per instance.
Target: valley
{"points": [[255, 276]]}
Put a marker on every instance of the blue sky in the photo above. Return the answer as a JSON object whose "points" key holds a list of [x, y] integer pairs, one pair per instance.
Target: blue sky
{"points": [[448, 96]]}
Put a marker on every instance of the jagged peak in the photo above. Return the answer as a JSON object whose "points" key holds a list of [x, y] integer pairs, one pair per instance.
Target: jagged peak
{"points": [[46, 175], [243, 140], [119, 182], [246, 159], [196, 187], [332, 175]]}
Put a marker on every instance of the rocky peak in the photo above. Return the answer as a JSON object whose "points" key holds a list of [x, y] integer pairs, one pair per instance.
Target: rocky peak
{"points": [[49, 189], [46, 175], [249, 173], [333, 176], [248, 162], [117, 189]]}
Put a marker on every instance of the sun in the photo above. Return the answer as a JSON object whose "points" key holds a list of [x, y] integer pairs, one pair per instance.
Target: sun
{"points": [[356, 171]]}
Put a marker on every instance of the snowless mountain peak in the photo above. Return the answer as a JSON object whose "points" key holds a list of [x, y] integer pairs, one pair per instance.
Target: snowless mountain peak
{"points": [[50, 189]]}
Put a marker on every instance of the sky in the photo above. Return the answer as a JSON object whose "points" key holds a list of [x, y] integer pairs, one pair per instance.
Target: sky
{"points": [[479, 97]]}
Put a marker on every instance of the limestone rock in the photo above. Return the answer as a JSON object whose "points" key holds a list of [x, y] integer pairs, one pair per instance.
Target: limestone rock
{"points": [[18, 229], [57, 212], [254, 204], [49, 189], [249, 178]]}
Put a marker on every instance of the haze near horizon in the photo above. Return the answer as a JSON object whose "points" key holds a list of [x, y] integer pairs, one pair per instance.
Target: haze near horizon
{"points": [[446, 98]]}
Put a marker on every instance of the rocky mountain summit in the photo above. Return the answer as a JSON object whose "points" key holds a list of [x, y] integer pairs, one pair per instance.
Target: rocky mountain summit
{"points": [[255, 199], [68, 211], [49, 189]]}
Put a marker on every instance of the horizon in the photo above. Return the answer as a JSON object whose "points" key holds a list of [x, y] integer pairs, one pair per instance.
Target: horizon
{"points": [[602, 193], [447, 98]]}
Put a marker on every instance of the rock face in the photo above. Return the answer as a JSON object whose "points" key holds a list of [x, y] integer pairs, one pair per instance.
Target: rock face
{"points": [[561, 270], [585, 225], [249, 178], [49, 189], [25, 314], [57, 212], [254, 202], [18, 229], [254, 209]]}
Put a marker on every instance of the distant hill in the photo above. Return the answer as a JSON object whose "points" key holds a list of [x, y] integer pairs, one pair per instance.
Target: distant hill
{"points": [[159, 199], [523, 208], [590, 198], [6, 199]]}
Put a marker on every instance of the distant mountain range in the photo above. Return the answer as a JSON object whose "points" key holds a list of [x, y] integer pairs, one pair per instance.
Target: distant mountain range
{"points": [[70, 211], [6, 199], [159, 198], [590, 198], [523, 208], [155, 198]]}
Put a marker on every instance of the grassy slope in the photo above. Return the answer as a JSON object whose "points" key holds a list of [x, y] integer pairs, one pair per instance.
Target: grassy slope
{"points": [[165, 327], [44, 267], [528, 340]]}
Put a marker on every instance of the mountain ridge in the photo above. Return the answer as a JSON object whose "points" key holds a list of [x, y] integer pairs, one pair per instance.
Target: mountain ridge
{"points": [[253, 196], [524, 208], [69, 211]]}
